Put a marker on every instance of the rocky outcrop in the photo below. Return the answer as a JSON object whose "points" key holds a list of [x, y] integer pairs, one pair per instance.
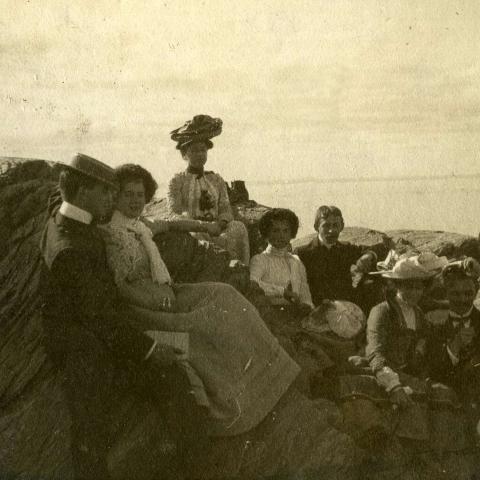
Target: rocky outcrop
{"points": [[34, 421]]}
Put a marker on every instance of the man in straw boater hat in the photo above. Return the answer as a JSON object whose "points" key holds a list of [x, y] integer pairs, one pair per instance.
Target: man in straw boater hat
{"points": [[89, 330]]}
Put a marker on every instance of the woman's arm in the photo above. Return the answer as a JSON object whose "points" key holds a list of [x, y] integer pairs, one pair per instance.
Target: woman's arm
{"points": [[182, 225], [377, 335], [146, 294], [224, 207], [175, 197], [305, 296]]}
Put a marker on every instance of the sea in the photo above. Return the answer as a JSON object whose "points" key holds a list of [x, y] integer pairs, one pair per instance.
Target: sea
{"points": [[450, 203]]}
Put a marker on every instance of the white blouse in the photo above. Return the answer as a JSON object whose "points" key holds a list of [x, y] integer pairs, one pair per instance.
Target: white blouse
{"points": [[274, 269]]}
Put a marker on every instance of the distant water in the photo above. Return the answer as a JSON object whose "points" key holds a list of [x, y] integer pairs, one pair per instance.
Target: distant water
{"points": [[449, 204]]}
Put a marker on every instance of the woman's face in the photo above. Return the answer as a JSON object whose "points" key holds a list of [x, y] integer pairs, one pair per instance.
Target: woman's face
{"points": [[411, 291], [196, 154], [280, 234], [131, 199]]}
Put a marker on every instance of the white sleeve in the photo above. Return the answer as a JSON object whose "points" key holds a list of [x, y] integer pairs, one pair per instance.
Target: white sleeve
{"points": [[258, 268]]}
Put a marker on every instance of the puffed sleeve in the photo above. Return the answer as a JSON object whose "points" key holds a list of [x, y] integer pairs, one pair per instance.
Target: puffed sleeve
{"points": [[120, 258], [377, 338], [174, 198], [224, 207], [305, 296], [258, 268]]}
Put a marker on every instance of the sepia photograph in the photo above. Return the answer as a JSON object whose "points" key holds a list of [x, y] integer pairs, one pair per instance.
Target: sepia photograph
{"points": [[240, 240]]}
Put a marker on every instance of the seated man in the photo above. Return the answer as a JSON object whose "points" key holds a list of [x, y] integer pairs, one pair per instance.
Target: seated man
{"points": [[328, 262], [453, 347], [88, 328]]}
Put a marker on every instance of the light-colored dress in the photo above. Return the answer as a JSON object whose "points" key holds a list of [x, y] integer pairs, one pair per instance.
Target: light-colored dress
{"points": [[184, 201], [243, 368], [274, 269]]}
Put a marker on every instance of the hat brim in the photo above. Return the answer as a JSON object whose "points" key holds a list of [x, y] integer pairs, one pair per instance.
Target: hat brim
{"points": [[113, 185], [207, 142], [396, 276]]}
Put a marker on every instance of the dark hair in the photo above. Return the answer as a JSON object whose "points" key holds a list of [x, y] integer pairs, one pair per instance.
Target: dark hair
{"points": [[325, 211], [129, 172], [70, 181], [278, 215], [455, 272]]}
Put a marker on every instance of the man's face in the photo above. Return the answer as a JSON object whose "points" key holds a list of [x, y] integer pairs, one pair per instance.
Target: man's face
{"points": [[461, 293], [330, 228], [196, 154], [98, 201]]}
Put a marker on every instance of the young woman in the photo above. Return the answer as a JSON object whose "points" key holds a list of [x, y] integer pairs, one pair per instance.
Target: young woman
{"points": [[279, 273], [202, 195]]}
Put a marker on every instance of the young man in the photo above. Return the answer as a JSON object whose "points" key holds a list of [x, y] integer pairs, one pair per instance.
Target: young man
{"points": [[88, 329], [328, 262], [453, 349]]}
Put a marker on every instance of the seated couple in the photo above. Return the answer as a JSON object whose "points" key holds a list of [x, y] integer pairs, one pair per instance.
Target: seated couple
{"points": [[105, 287], [408, 355]]}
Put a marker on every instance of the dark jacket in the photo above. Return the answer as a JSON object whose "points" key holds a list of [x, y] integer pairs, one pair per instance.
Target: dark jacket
{"points": [[80, 293], [441, 368], [389, 341], [328, 270]]}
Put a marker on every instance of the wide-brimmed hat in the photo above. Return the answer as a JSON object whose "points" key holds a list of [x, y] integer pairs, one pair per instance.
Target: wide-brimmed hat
{"points": [[200, 129], [408, 269], [93, 168], [343, 318], [430, 262]]}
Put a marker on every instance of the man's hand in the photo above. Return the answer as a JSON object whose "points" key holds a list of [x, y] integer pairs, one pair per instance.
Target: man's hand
{"points": [[461, 340], [365, 263], [400, 398]]}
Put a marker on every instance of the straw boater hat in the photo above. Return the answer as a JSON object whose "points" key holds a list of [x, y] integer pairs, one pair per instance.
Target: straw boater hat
{"points": [[343, 318], [200, 129], [92, 168]]}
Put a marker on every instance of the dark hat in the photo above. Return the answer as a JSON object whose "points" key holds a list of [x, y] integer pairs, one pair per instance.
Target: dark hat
{"points": [[200, 129], [93, 168]]}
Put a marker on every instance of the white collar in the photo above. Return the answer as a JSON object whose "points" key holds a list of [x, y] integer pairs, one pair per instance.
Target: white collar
{"points": [[75, 213], [326, 245], [455, 316]]}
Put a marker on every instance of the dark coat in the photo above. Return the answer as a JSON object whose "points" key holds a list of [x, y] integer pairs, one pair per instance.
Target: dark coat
{"points": [[80, 292], [441, 368], [389, 341], [328, 270]]}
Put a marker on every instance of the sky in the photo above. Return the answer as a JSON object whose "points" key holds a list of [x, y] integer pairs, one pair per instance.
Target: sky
{"points": [[305, 89]]}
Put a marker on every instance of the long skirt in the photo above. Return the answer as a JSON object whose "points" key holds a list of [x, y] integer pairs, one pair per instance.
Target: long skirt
{"points": [[244, 369]]}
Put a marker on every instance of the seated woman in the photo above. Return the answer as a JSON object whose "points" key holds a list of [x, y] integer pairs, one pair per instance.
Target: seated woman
{"points": [[279, 273], [201, 195], [247, 376], [395, 353]]}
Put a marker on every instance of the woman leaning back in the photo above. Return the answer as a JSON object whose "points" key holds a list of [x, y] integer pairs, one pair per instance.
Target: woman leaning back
{"points": [[202, 195], [258, 423]]}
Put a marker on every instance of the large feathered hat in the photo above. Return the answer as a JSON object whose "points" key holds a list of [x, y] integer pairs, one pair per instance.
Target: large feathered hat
{"points": [[200, 129]]}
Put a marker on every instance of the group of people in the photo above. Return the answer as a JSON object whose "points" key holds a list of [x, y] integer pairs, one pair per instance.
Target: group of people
{"points": [[223, 369]]}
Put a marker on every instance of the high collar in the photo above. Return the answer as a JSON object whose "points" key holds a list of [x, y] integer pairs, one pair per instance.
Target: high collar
{"points": [[277, 252], [321, 243], [199, 171], [75, 213]]}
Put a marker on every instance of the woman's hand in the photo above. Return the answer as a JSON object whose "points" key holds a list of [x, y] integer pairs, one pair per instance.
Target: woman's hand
{"points": [[290, 295], [165, 300], [213, 229], [399, 397]]}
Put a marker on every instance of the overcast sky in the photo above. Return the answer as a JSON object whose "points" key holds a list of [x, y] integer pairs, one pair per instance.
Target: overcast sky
{"points": [[305, 88]]}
